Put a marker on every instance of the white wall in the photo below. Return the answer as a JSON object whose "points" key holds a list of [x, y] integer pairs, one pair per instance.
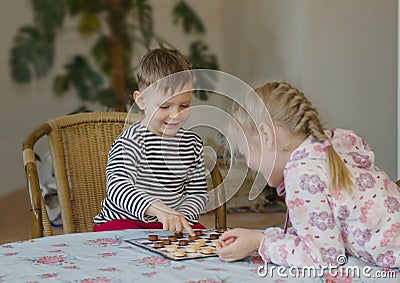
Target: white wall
{"points": [[350, 61], [340, 53]]}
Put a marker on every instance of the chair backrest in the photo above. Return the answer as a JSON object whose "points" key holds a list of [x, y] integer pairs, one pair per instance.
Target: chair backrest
{"points": [[79, 146]]}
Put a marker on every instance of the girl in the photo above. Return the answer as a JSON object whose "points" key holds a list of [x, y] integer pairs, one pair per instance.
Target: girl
{"points": [[338, 200]]}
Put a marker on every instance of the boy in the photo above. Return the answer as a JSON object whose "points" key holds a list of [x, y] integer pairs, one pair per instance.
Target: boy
{"points": [[155, 170]]}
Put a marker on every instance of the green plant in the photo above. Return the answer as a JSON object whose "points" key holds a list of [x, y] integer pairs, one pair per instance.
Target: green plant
{"points": [[119, 27]]}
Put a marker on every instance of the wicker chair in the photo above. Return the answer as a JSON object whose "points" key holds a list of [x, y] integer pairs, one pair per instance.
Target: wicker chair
{"points": [[79, 145]]}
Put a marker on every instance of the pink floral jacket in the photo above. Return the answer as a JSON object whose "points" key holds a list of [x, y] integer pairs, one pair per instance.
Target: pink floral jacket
{"points": [[325, 225]]}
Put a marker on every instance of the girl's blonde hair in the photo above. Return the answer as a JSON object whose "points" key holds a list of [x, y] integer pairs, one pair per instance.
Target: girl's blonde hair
{"points": [[288, 107]]}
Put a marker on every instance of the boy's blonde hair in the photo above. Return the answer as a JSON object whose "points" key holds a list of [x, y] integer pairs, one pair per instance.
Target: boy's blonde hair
{"points": [[160, 63], [288, 107]]}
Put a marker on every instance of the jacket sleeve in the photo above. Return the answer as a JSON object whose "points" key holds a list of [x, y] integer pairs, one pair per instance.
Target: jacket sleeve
{"points": [[314, 238]]}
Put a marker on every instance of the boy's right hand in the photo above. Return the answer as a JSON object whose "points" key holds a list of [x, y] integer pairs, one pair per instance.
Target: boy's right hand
{"points": [[171, 219]]}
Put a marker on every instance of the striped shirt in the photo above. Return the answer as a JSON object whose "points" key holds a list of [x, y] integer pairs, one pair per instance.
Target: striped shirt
{"points": [[143, 168]]}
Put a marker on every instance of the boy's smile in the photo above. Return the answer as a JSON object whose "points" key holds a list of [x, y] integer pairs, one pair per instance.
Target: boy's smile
{"points": [[165, 114]]}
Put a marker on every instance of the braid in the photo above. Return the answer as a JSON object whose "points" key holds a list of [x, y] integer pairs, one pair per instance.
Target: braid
{"points": [[339, 174], [289, 107]]}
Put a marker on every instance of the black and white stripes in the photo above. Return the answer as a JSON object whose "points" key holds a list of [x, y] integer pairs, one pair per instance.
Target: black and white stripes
{"points": [[143, 167]]}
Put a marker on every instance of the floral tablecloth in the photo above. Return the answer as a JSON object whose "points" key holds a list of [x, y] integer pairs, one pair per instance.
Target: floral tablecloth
{"points": [[107, 257]]}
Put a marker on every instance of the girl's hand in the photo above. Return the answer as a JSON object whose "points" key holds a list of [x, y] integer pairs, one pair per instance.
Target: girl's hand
{"points": [[171, 219], [238, 243]]}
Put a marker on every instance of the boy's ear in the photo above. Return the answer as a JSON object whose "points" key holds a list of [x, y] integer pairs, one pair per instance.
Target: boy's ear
{"points": [[267, 135], [139, 100]]}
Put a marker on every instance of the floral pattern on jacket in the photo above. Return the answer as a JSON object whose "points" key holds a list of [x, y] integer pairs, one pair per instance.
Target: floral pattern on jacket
{"points": [[328, 223]]}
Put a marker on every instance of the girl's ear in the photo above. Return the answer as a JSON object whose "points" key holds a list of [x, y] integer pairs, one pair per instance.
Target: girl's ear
{"points": [[267, 135], [139, 100]]}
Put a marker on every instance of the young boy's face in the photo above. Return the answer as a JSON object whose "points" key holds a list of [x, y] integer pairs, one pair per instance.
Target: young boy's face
{"points": [[166, 113]]}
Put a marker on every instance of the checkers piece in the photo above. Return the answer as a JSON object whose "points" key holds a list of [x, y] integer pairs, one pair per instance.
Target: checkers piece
{"points": [[192, 237], [214, 236], [171, 248], [158, 244], [179, 234], [183, 242], [180, 253], [173, 238], [207, 250], [221, 230], [191, 249], [152, 237]]}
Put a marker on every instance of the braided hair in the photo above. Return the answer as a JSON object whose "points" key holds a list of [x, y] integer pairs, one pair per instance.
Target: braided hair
{"points": [[288, 107]]}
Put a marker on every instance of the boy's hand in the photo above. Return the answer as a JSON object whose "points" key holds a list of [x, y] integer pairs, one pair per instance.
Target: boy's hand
{"points": [[174, 222], [171, 219]]}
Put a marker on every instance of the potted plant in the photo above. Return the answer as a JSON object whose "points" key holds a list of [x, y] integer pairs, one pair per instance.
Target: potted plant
{"points": [[119, 26]]}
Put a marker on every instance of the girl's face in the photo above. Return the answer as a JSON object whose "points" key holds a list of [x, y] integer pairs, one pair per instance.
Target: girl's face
{"points": [[166, 114], [251, 150], [258, 156], [262, 156]]}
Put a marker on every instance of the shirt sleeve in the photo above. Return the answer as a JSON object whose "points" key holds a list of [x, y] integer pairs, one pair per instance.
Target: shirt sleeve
{"points": [[314, 238], [195, 196], [121, 178]]}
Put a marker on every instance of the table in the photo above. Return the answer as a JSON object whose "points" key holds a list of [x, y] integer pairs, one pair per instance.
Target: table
{"points": [[104, 257]]}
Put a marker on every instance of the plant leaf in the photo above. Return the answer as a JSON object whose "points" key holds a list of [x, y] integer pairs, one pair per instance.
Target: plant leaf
{"points": [[91, 6], [61, 84], [128, 21], [73, 7], [49, 15], [105, 97], [200, 58], [191, 23], [128, 4], [31, 54], [82, 78], [101, 54], [88, 23], [21, 73]]}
